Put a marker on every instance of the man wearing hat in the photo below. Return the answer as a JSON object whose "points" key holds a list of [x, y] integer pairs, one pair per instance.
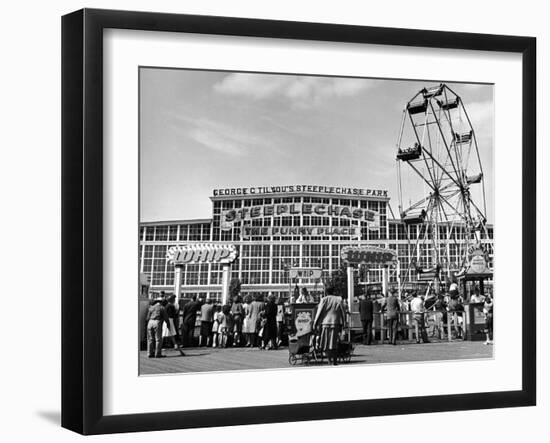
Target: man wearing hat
{"points": [[156, 315]]}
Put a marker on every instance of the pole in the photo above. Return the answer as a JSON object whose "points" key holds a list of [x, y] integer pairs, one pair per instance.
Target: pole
{"points": [[225, 282], [399, 279], [178, 272], [350, 298], [350, 284], [385, 280]]}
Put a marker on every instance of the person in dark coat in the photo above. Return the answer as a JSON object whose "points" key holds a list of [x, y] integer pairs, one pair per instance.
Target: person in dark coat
{"points": [[189, 319], [365, 313], [237, 311], [270, 332], [169, 328], [392, 315]]}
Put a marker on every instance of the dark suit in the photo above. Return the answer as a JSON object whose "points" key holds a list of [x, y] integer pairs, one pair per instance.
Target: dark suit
{"points": [[392, 315], [365, 313], [189, 320]]}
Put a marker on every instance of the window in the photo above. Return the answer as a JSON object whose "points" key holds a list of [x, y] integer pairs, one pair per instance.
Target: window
{"points": [[184, 233], [161, 233], [173, 233]]}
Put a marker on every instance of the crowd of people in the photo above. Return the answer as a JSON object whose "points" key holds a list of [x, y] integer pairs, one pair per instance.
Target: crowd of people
{"points": [[258, 321], [250, 322], [440, 308]]}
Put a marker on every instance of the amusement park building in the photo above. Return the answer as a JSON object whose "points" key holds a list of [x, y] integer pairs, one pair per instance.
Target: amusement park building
{"points": [[297, 226]]}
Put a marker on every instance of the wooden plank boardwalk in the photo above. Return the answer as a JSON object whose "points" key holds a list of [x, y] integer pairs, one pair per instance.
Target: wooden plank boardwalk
{"points": [[239, 359]]}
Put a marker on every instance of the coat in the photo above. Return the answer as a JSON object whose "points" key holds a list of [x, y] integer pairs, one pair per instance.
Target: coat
{"points": [[366, 309], [330, 312], [190, 312], [254, 315], [271, 320], [392, 306]]}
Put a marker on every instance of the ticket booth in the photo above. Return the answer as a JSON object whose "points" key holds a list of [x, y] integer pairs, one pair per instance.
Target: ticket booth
{"points": [[477, 272], [474, 328], [354, 256]]}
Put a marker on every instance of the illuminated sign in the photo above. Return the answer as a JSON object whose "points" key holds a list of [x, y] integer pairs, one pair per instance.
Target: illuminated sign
{"points": [[320, 210], [260, 190], [201, 253], [314, 273], [268, 231], [355, 255], [372, 218]]}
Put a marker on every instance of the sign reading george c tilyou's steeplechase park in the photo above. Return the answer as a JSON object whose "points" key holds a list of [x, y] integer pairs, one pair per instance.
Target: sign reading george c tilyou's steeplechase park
{"points": [[337, 190]]}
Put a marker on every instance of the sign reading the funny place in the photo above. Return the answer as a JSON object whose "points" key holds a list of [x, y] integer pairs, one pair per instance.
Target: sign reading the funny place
{"points": [[248, 231], [201, 253], [355, 255]]}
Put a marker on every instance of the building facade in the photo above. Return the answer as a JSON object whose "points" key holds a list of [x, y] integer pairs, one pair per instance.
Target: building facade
{"points": [[277, 229]]}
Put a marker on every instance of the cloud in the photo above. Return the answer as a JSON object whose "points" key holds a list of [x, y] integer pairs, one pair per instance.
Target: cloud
{"points": [[220, 137], [471, 87], [480, 112], [300, 91]]}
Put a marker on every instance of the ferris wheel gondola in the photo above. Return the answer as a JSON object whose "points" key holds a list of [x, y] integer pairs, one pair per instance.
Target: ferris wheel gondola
{"points": [[437, 146]]}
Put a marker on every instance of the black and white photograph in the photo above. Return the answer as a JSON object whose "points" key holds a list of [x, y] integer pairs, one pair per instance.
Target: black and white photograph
{"points": [[294, 221], [275, 221]]}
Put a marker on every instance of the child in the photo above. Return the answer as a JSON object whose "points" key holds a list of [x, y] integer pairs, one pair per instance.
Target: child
{"points": [[226, 325], [216, 325], [262, 333]]}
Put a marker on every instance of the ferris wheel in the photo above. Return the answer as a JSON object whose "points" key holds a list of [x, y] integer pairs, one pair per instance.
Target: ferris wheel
{"points": [[440, 181]]}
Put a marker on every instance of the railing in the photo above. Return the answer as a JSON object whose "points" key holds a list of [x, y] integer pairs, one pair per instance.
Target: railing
{"points": [[407, 327]]}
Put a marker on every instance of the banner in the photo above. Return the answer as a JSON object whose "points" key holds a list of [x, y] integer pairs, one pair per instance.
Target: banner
{"points": [[268, 231]]}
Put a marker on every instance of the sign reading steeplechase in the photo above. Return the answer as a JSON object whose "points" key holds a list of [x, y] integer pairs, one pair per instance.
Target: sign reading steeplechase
{"points": [[372, 218], [315, 189], [201, 253]]}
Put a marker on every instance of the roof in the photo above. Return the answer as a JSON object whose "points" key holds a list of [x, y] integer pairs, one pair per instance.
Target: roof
{"points": [[195, 221]]}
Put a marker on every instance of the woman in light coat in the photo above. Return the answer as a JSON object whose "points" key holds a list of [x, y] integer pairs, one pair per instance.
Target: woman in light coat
{"points": [[255, 308]]}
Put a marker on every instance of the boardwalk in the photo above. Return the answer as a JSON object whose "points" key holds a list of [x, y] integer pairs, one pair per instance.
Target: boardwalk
{"points": [[208, 359]]}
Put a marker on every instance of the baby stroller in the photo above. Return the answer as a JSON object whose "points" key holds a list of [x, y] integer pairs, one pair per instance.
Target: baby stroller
{"points": [[345, 348], [302, 348]]}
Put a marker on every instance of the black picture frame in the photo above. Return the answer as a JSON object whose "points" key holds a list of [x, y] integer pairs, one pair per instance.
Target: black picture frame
{"points": [[82, 215]]}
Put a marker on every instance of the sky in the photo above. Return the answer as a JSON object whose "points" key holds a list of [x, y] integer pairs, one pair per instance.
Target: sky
{"points": [[203, 130]]}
